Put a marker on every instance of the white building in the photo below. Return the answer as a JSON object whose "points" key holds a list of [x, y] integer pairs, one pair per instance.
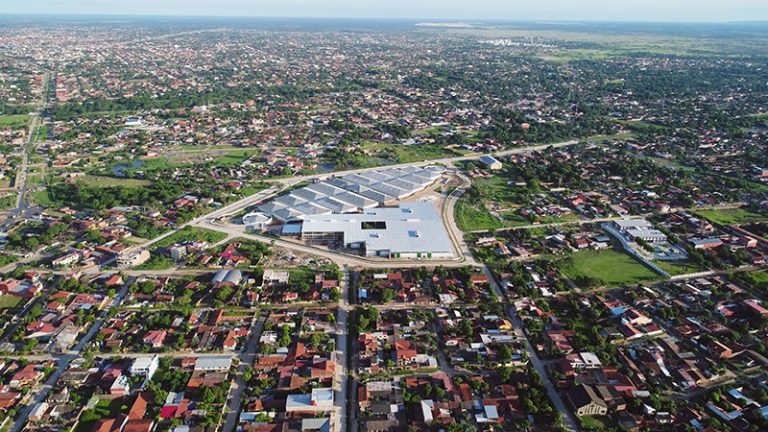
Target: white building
{"points": [[640, 229], [132, 258], [275, 277], [414, 230], [178, 252], [491, 162], [320, 400], [213, 363], [257, 221], [145, 366], [352, 193]]}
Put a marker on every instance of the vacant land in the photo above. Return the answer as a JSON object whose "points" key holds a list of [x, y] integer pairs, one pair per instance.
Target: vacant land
{"points": [[675, 268], [17, 121], [42, 198], [9, 302], [104, 181], [737, 216], [475, 217], [400, 153], [7, 202], [611, 267], [188, 234]]}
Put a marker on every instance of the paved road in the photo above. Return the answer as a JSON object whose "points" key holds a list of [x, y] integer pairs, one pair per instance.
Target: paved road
{"points": [[62, 362], [284, 183], [569, 421], [449, 219], [342, 358], [443, 161], [247, 358], [464, 256], [338, 257], [23, 210]]}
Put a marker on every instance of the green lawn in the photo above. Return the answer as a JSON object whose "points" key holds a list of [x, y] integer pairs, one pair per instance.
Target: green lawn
{"points": [[9, 302], [590, 423], [17, 121], [760, 277], [42, 198], [41, 133], [611, 267], [400, 153], [6, 259], [7, 202], [191, 234], [157, 262], [675, 268], [234, 158], [104, 181], [470, 218], [737, 216]]}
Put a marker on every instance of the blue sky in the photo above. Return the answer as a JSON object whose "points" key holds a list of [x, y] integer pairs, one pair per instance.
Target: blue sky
{"points": [[562, 10]]}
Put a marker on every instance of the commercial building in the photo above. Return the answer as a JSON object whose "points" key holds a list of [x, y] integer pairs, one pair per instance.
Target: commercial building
{"points": [[132, 258], [413, 230], [320, 400], [640, 229], [491, 162], [350, 193], [227, 277], [145, 366], [585, 402], [256, 221], [213, 363]]}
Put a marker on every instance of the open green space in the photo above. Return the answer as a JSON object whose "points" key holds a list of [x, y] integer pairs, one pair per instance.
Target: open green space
{"points": [[608, 266], [188, 234], [591, 423], [41, 133], [7, 202], [103, 181], [676, 268], [401, 153], [736, 216], [16, 121], [758, 278], [105, 408], [9, 301], [42, 198], [474, 218], [157, 262], [234, 158]]}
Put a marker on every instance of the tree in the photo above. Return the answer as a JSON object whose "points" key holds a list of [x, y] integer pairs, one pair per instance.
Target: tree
{"points": [[315, 341]]}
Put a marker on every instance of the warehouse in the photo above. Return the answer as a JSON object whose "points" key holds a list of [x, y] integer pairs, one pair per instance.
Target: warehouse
{"points": [[413, 230], [491, 162], [352, 193], [640, 229]]}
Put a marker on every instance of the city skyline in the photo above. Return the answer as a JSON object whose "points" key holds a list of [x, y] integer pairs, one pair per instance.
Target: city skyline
{"points": [[551, 10]]}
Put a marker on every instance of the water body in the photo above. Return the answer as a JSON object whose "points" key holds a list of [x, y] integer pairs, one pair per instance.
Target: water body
{"points": [[120, 170]]}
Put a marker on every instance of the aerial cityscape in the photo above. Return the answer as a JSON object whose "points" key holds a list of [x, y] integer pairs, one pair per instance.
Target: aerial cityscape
{"points": [[378, 223]]}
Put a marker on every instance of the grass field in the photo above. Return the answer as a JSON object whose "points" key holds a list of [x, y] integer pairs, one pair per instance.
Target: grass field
{"points": [[471, 218], [407, 153], [7, 202], [17, 121], [41, 133], [591, 423], [9, 302], [678, 267], [42, 198], [191, 234], [737, 216], [104, 181], [612, 267]]}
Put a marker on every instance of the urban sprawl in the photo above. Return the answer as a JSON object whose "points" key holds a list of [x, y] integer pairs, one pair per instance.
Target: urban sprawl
{"points": [[263, 227]]}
